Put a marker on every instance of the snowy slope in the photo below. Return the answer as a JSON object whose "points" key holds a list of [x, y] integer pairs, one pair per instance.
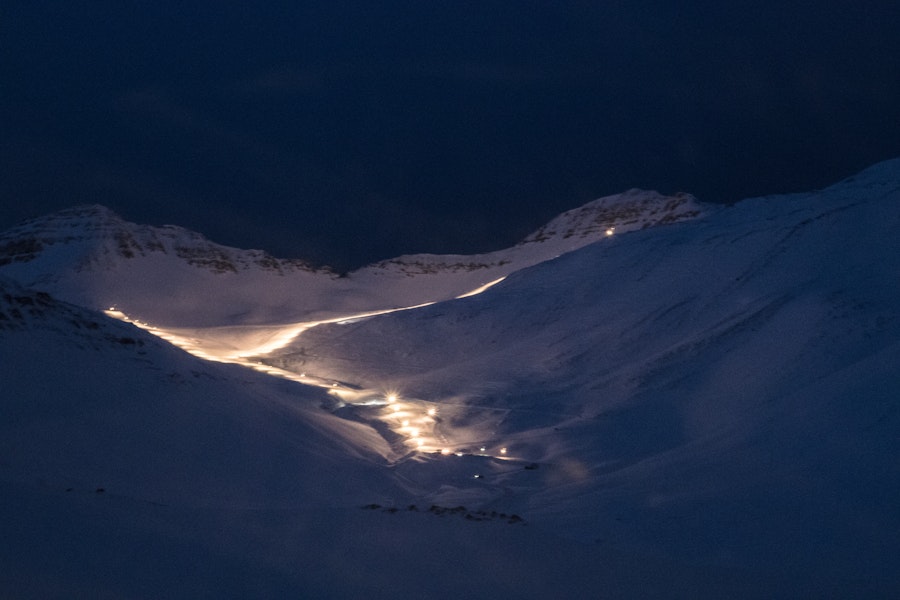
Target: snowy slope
{"points": [[706, 409], [724, 389], [90, 402], [131, 469], [169, 276]]}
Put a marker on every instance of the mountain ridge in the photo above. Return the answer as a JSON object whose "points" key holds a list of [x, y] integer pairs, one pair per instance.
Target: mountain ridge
{"points": [[92, 257], [106, 233]]}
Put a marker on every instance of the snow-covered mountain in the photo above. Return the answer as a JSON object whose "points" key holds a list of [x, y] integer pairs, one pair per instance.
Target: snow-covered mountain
{"points": [[172, 276], [131, 469], [705, 409], [727, 389]]}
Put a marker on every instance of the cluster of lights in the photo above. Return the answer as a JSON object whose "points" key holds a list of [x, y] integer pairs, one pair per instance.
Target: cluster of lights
{"points": [[407, 419], [413, 432]]}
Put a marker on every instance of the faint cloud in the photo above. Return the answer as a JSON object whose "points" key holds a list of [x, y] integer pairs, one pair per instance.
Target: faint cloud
{"points": [[513, 74], [282, 79]]}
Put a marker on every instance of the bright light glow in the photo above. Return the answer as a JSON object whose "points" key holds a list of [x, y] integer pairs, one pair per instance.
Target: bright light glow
{"points": [[236, 344], [412, 418], [502, 450], [610, 231], [478, 290]]}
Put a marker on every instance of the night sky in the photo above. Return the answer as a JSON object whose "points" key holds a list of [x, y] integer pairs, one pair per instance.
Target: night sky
{"points": [[346, 132]]}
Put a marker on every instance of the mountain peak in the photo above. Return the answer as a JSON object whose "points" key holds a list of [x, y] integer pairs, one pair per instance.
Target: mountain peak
{"points": [[885, 173], [628, 211], [83, 223], [94, 236], [75, 217], [97, 212]]}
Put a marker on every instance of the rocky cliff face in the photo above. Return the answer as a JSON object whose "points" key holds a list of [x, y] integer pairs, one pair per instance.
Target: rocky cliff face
{"points": [[94, 236]]}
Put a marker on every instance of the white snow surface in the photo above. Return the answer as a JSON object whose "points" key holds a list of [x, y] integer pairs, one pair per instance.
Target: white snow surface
{"points": [[705, 409], [173, 277]]}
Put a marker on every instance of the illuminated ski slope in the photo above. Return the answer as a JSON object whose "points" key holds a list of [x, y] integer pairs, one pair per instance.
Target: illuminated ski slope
{"points": [[416, 422]]}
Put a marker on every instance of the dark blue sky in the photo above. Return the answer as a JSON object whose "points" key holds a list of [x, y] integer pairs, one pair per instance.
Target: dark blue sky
{"points": [[345, 132]]}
